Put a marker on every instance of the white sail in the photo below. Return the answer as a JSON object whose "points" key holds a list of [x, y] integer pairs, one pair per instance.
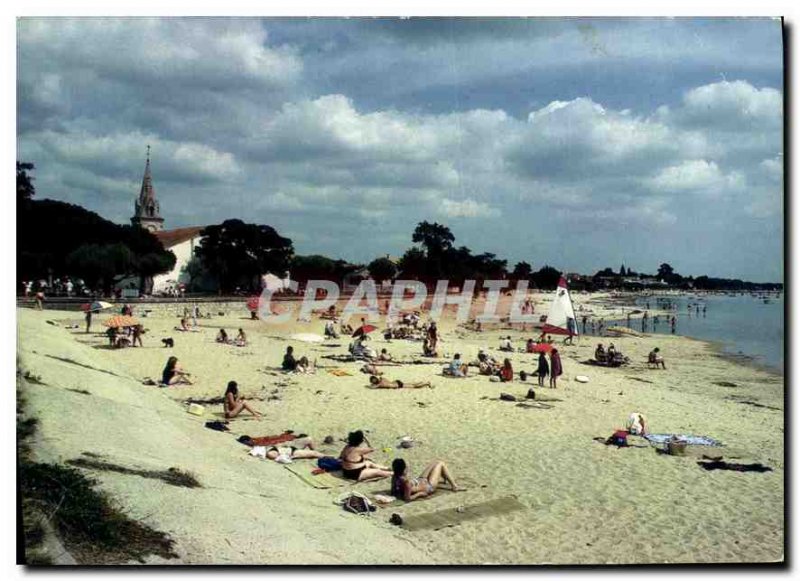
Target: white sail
{"points": [[561, 313]]}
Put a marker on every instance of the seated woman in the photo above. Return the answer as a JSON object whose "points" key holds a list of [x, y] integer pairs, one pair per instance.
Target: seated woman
{"points": [[456, 368], [355, 465], [184, 326], [299, 449], [600, 354], [233, 403], [427, 350], [384, 356], [507, 371], [330, 330], [611, 352], [289, 362], [636, 424], [654, 358], [505, 344], [174, 374], [410, 489], [222, 337], [112, 336], [383, 383], [529, 345], [241, 339], [122, 341]]}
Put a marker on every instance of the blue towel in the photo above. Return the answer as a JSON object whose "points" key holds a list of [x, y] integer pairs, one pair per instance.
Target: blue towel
{"points": [[691, 440]]}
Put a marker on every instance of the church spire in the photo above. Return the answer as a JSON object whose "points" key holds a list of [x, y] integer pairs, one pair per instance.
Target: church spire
{"points": [[147, 213]]}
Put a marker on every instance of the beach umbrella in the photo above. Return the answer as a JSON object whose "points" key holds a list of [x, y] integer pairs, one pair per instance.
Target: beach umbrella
{"points": [[363, 330], [96, 306], [308, 338], [252, 303], [542, 348], [121, 321]]}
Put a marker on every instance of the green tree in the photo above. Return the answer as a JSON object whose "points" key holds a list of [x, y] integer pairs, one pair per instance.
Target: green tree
{"points": [[99, 264], [413, 263], [382, 269], [546, 277], [25, 189], [522, 271], [237, 253]]}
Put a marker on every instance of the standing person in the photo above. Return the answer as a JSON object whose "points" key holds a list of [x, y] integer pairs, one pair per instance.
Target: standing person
{"points": [[583, 320], [196, 315], [673, 324], [555, 367], [88, 320], [543, 370], [433, 337], [69, 287], [138, 331], [571, 329], [40, 300]]}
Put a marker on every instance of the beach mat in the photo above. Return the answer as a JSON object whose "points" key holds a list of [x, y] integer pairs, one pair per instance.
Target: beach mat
{"points": [[321, 480], [451, 517]]}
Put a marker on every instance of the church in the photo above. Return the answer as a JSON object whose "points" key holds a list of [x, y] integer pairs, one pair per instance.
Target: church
{"points": [[181, 241]]}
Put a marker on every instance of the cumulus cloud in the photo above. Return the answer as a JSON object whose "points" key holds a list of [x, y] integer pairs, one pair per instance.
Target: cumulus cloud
{"points": [[298, 126]]}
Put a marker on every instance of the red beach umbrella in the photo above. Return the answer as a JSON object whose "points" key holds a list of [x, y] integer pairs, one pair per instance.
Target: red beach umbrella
{"points": [[542, 348], [363, 330], [252, 303]]}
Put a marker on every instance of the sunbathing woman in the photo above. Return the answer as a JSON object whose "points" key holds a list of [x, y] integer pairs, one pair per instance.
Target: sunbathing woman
{"points": [[507, 371], [173, 374], [234, 403], [413, 488], [300, 449], [222, 336], [355, 465], [383, 383]]}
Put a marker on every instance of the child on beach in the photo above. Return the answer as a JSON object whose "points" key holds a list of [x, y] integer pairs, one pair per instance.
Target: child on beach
{"points": [[654, 358], [355, 465], [543, 370], [410, 489], [234, 403], [555, 367]]}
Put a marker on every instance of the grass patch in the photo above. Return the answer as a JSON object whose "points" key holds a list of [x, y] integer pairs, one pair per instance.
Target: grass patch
{"points": [[173, 476], [92, 529]]}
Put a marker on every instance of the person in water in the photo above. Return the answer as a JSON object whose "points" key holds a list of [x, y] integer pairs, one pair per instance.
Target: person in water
{"points": [[355, 464], [410, 489], [233, 403]]}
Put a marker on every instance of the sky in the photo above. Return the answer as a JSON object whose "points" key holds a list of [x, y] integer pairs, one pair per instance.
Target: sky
{"points": [[578, 143]]}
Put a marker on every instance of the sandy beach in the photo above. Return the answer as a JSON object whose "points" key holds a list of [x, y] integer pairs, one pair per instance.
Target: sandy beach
{"points": [[584, 502]]}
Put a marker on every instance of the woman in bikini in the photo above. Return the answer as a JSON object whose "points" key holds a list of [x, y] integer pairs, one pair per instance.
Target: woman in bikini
{"points": [[413, 488], [355, 465], [383, 383], [174, 374], [301, 449], [233, 403]]}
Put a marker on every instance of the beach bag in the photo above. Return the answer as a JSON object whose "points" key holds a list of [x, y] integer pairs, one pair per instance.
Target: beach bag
{"points": [[618, 438], [329, 463], [358, 503]]}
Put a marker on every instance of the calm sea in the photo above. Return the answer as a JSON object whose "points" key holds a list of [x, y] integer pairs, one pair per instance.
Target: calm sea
{"points": [[743, 324]]}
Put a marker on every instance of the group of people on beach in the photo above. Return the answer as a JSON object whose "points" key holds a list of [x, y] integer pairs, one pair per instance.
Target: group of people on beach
{"points": [[239, 341]]}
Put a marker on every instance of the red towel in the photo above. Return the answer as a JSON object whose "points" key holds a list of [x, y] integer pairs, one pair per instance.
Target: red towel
{"points": [[272, 440]]}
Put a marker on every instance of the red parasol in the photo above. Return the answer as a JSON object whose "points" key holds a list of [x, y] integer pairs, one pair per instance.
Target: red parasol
{"points": [[542, 348], [363, 330], [252, 303]]}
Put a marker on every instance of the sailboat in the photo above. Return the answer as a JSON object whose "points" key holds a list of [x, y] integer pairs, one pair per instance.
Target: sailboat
{"points": [[561, 318]]}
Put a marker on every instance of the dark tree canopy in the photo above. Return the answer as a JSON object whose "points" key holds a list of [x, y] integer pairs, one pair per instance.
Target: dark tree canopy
{"points": [[318, 267], [522, 271], [382, 269], [546, 277], [413, 264], [64, 239], [435, 238], [25, 189], [237, 253]]}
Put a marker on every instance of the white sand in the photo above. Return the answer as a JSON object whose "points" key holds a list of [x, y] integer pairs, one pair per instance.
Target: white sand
{"points": [[587, 503]]}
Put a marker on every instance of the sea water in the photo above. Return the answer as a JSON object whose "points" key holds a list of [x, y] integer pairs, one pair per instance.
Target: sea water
{"points": [[742, 324]]}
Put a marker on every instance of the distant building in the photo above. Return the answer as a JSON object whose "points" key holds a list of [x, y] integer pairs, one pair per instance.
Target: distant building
{"points": [[182, 242], [146, 213]]}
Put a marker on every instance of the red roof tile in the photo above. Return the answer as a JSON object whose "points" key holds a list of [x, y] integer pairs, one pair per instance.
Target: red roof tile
{"points": [[170, 238]]}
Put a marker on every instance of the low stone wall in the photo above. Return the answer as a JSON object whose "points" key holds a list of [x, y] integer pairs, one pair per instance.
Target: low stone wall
{"points": [[156, 307]]}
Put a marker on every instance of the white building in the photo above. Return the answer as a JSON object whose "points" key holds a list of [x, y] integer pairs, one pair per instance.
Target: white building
{"points": [[182, 242]]}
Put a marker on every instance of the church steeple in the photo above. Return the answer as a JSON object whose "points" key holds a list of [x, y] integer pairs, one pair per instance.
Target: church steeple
{"points": [[147, 213]]}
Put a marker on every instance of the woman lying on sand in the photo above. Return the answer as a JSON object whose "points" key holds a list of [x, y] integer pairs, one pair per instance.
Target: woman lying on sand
{"points": [[413, 488], [234, 403], [355, 465], [301, 449], [383, 383], [173, 374]]}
